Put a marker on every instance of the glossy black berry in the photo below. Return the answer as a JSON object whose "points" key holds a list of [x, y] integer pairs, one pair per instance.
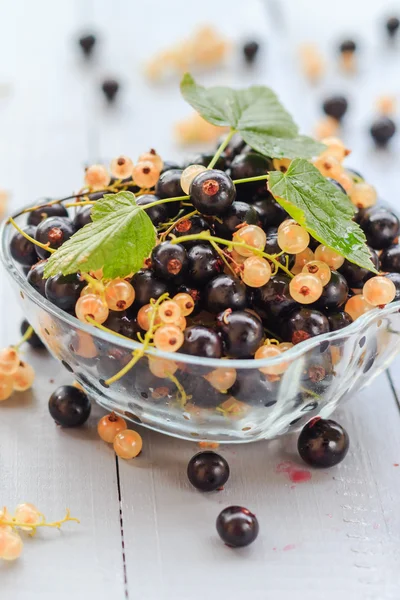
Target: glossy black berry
{"points": [[201, 341], [323, 443], [53, 231], [270, 213], [195, 293], [121, 322], [35, 277], [272, 247], [304, 323], [203, 264], [237, 214], [382, 130], [253, 388], [249, 165], [34, 340], [235, 146], [206, 158], [82, 217], [147, 286], [169, 186], [241, 333], [208, 471], [390, 259], [337, 184], [191, 226], [212, 192], [392, 25], [348, 46], [44, 211], [273, 299], [356, 276], [225, 291], [168, 165], [64, 290], [250, 50], [110, 89], [355, 175], [339, 320], [69, 406], [87, 43], [158, 214], [21, 249], [334, 293], [335, 106], [237, 526], [381, 227], [169, 261], [395, 277]]}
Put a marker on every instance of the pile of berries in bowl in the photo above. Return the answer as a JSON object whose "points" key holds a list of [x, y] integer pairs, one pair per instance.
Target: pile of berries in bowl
{"points": [[186, 298]]}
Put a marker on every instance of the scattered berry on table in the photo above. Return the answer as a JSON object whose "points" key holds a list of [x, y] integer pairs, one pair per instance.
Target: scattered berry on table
{"points": [[208, 471], [110, 89], [237, 526], [335, 106], [250, 51], [127, 444], [392, 26], [382, 130], [23, 377], [323, 443], [69, 406], [109, 426], [87, 43], [9, 361]]}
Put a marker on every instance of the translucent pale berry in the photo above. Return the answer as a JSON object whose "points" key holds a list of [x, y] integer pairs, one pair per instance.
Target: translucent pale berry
{"points": [[236, 257], [91, 306], [222, 379], [121, 167], [162, 367], [84, 346], [271, 351], [153, 157], [256, 271], [168, 338], [9, 361], [11, 544], [97, 177], [145, 174], [169, 312], [318, 268], [346, 181], [284, 346], [379, 290], [6, 386], [285, 223], [293, 239], [357, 306], [182, 323], [328, 256], [327, 126], [305, 288], [328, 166], [27, 513], [144, 316], [23, 377], [88, 289], [302, 258], [281, 164], [335, 148], [185, 302], [253, 236], [109, 426], [127, 444], [189, 174], [119, 294], [363, 195]]}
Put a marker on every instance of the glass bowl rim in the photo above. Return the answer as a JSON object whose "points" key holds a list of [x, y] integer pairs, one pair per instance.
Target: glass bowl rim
{"points": [[249, 363]]}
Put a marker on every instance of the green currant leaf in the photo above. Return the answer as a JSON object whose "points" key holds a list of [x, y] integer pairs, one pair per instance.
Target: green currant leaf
{"points": [[255, 113], [118, 240], [322, 209]]}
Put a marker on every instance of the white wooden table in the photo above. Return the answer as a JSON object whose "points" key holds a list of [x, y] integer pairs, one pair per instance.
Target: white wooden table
{"points": [[145, 533]]}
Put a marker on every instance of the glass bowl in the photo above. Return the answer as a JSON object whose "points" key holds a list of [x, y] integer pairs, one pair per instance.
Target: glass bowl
{"points": [[315, 375]]}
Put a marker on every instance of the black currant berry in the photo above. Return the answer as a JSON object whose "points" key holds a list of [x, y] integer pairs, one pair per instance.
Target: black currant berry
{"points": [[339, 320], [237, 214], [381, 227], [194, 293], [87, 43], [202, 393], [323, 443], [395, 277], [147, 286], [348, 46], [250, 50], [203, 264], [53, 231], [169, 261], [304, 323], [390, 259], [201, 341], [253, 388], [273, 299], [335, 106], [21, 249], [64, 290], [205, 159], [158, 214], [168, 165], [241, 333], [225, 291], [356, 276], [35, 277], [34, 340], [382, 130], [208, 471], [337, 184], [270, 213], [169, 186], [82, 218], [122, 323], [250, 165], [110, 89], [392, 25], [150, 387], [272, 247], [44, 211], [237, 526], [334, 293], [191, 226], [69, 406], [212, 192]]}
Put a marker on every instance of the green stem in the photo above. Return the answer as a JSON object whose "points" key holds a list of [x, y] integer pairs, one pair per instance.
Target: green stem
{"points": [[250, 179], [29, 238], [27, 335], [164, 201], [221, 148]]}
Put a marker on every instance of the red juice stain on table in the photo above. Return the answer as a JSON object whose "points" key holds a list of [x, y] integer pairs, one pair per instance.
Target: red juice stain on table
{"points": [[295, 474]]}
